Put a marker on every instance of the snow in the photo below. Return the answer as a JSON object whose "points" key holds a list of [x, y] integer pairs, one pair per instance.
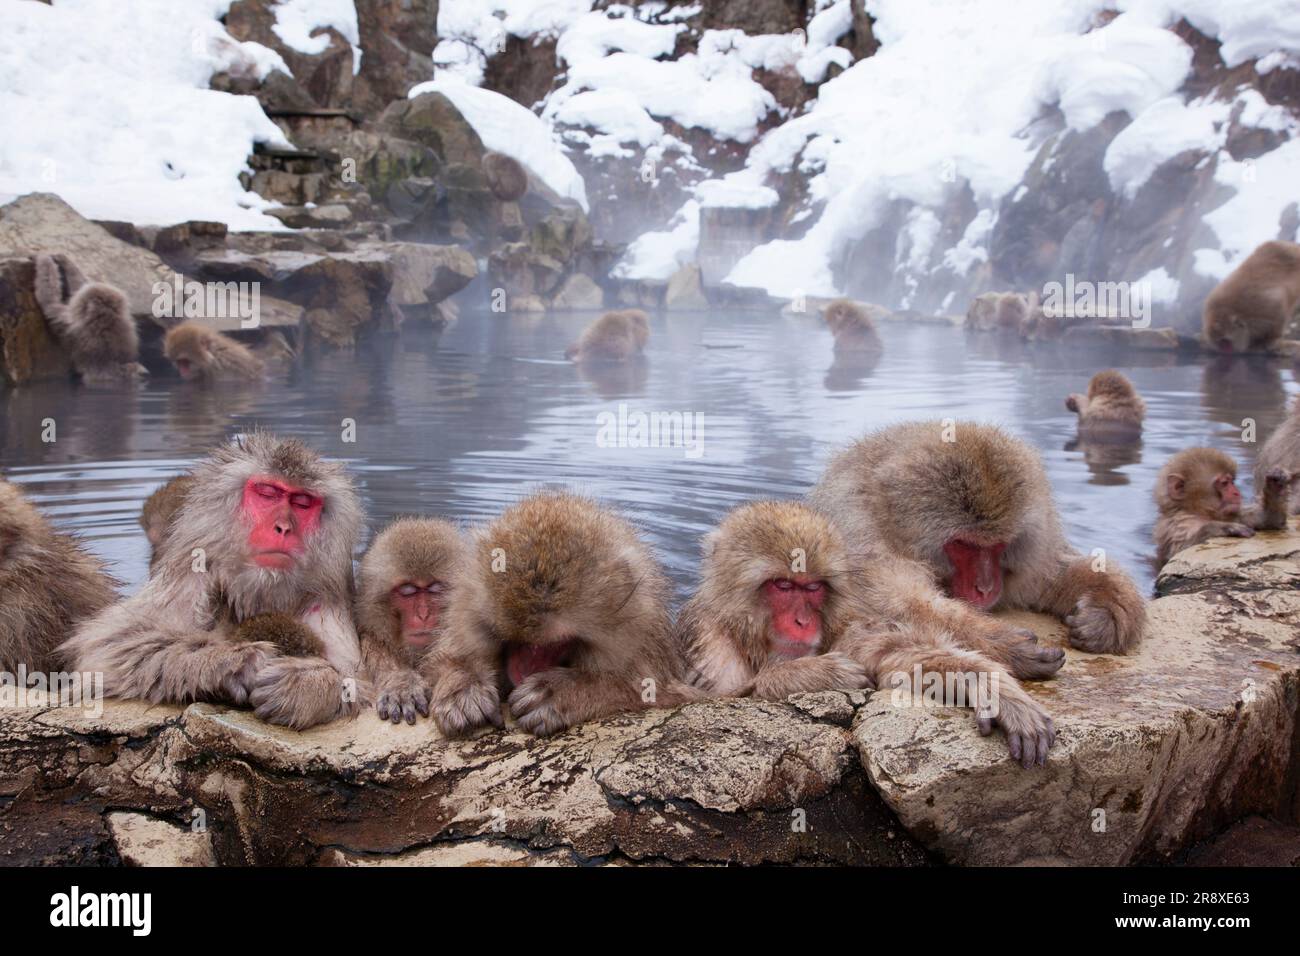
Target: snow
{"points": [[106, 104], [657, 255], [507, 127], [1164, 287], [1246, 29], [735, 195], [1264, 188], [297, 20], [1159, 133]]}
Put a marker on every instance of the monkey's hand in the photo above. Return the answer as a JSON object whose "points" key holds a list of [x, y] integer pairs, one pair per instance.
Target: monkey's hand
{"points": [[1029, 660], [1277, 479], [1030, 731], [400, 694], [537, 706], [240, 664], [1233, 529], [462, 701], [1108, 618], [300, 692]]}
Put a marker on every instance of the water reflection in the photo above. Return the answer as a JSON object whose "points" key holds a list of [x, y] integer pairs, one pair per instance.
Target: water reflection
{"points": [[463, 423]]}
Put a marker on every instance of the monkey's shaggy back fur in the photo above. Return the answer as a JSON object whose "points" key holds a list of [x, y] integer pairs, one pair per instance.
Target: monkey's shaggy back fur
{"points": [[1282, 450], [48, 583]]}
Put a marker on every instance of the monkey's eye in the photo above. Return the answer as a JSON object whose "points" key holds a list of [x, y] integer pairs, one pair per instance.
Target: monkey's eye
{"points": [[302, 501], [783, 584], [437, 587], [813, 586], [269, 492], [407, 590]]}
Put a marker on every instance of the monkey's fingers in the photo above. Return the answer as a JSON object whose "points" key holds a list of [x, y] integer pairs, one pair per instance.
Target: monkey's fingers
{"points": [[1030, 731], [469, 707], [1240, 531], [535, 708], [242, 664], [1031, 661], [1277, 478], [1092, 628]]}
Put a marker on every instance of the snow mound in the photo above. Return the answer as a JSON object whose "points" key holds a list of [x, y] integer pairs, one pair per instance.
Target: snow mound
{"points": [[507, 127], [297, 20], [106, 104]]}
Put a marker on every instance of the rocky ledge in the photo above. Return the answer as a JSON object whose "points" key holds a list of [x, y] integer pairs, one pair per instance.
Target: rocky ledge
{"points": [[1157, 752]]}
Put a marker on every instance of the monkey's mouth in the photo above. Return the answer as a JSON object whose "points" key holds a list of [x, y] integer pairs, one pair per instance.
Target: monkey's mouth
{"points": [[787, 650], [524, 660], [184, 367], [419, 639], [274, 560]]}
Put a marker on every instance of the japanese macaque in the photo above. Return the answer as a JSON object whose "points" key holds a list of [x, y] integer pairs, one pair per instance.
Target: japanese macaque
{"points": [[267, 527], [1000, 311], [159, 509], [48, 583], [973, 505], [203, 354], [770, 606], [614, 337], [1250, 309], [1282, 452], [92, 321], [506, 178], [852, 326], [565, 609], [405, 585], [1198, 498], [1111, 411]]}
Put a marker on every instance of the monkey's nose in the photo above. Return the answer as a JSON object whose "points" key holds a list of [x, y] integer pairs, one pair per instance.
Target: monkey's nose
{"points": [[283, 528]]}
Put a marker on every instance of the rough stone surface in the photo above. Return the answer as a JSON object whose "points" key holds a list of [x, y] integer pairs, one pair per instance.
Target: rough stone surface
{"points": [[29, 352], [42, 222], [685, 292], [1196, 729], [1176, 743], [716, 782], [578, 293]]}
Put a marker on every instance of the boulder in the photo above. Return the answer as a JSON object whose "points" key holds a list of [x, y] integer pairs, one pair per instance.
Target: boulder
{"points": [[1127, 336], [432, 120], [329, 216], [717, 782], [1155, 751], [685, 292], [578, 293], [521, 271], [29, 351], [42, 222], [426, 274]]}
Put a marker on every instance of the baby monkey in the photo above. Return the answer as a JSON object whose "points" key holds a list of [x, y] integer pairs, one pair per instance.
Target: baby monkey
{"points": [[1198, 498], [407, 579], [1111, 411], [769, 609], [565, 610]]}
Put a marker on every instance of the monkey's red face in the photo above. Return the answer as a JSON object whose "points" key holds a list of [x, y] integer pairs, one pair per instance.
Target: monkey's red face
{"points": [[796, 606], [283, 517], [976, 571], [418, 605], [1225, 486]]}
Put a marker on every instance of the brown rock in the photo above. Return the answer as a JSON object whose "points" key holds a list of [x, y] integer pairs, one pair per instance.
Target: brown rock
{"points": [[29, 352]]}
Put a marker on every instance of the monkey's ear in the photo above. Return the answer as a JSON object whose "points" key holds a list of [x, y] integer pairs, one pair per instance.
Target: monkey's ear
{"points": [[1176, 487]]}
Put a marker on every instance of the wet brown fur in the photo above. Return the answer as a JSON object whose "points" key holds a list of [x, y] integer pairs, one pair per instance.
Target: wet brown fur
{"points": [[573, 570], [617, 336], [409, 549], [1282, 452], [48, 583], [1250, 309], [1191, 510], [93, 322], [210, 354], [852, 327], [1112, 409]]}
